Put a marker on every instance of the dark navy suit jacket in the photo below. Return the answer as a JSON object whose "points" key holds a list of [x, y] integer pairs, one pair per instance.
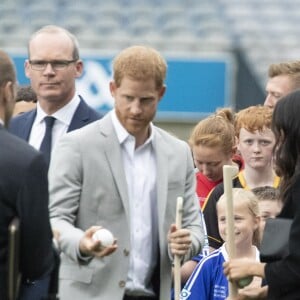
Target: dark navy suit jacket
{"points": [[24, 194], [21, 125]]}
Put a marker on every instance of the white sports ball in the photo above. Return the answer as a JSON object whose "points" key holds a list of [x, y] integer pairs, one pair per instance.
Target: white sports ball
{"points": [[104, 236]]}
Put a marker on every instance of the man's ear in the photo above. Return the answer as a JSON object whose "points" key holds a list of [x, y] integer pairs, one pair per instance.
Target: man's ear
{"points": [[162, 91], [7, 101], [8, 92], [79, 68], [112, 88], [27, 68]]}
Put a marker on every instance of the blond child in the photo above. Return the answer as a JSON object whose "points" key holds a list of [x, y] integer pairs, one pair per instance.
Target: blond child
{"points": [[213, 145], [208, 281]]}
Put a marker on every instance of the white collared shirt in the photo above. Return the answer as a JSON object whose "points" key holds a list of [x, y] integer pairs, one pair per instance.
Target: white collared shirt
{"points": [[63, 120], [140, 170]]}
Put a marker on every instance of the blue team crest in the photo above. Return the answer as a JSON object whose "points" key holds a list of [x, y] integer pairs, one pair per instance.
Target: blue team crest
{"points": [[184, 294]]}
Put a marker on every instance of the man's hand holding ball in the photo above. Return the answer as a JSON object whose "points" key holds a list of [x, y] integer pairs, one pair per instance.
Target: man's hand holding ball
{"points": [[97, 241], [104, 236]]}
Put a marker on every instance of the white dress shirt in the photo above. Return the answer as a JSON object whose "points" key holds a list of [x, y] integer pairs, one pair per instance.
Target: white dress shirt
{"points": [[63, 120], [140, 171]]}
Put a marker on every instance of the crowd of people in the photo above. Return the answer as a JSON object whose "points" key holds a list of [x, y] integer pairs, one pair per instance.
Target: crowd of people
{"points": [[66, 171]]}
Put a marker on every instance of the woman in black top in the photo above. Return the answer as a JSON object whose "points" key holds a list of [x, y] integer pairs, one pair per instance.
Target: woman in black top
{"points": [[283, 276]]}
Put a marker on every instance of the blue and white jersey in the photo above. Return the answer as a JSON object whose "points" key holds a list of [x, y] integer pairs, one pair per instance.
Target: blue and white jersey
{"points": [[208, 281]]}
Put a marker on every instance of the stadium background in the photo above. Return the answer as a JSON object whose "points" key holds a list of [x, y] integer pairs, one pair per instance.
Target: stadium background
{"points": [[218, 51]]}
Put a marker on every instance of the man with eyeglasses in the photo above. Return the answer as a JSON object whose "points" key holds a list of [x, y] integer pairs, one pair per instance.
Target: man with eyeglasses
{"points": [[52, 67]]}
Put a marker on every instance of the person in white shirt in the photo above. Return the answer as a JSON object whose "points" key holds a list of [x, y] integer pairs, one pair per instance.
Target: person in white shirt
{"points": [[52, 66], [124, 174]]}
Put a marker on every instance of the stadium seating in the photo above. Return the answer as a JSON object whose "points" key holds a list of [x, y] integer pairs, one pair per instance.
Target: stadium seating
{"points": [[266, 31]]}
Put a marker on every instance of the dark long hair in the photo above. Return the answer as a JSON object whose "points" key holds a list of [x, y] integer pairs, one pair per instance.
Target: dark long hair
{"points": [[286, 127]]}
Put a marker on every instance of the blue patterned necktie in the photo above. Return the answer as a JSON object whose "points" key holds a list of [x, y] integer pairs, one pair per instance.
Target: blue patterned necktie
{"points": [[46, 142]]}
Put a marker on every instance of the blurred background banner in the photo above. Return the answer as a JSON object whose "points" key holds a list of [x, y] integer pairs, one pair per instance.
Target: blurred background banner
{"points": [[195, 86]]}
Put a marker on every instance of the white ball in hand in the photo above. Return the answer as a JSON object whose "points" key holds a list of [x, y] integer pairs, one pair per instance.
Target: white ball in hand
{"points": [[104, 236]]}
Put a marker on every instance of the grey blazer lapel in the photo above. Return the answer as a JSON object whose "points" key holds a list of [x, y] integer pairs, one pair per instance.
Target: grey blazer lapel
{"points": [[114, 158], [161, 152]]}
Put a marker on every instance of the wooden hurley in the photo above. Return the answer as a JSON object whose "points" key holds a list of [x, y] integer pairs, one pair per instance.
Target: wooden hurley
{"points": [[228, 173], [177, 258]]}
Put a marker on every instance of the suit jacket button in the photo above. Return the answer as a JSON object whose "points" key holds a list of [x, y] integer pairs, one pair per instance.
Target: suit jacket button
{"points": [[122, 283], [126, 252]]}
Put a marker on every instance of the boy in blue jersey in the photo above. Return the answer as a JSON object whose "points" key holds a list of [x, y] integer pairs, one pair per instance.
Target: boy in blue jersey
{"points": [[208, 281]]}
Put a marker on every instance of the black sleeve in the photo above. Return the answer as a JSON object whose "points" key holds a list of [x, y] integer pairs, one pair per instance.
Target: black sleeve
{"points": [[210, 216], [36, 235], [283, 277]]}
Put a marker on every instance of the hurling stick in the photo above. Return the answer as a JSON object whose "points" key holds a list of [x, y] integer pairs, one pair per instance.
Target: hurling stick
{"points": [[228, 173], [177, 258]]}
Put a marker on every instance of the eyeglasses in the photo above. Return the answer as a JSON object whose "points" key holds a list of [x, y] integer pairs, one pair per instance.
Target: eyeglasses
{"points": [[41, 65]]}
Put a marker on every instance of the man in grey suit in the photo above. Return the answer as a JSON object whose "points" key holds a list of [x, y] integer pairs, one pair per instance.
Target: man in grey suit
{"points": [[124, 174], [53, 66]]}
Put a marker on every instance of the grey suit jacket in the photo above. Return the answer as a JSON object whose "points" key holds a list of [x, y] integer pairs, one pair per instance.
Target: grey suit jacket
{"points": [[88, 187]]}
